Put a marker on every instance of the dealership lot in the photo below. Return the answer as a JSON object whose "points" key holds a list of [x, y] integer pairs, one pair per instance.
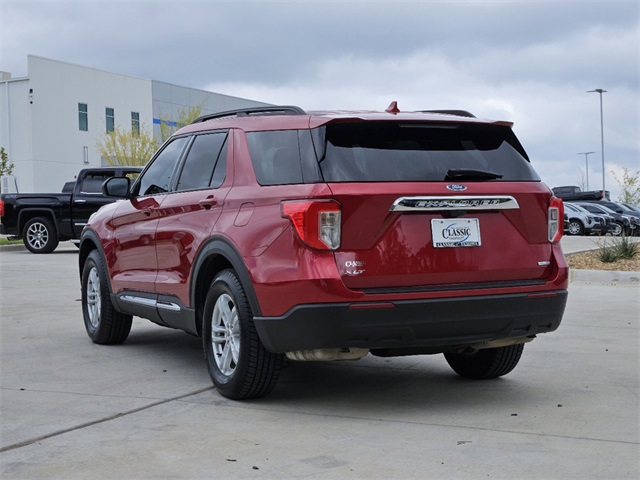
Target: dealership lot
{"points": [[147, 409]]}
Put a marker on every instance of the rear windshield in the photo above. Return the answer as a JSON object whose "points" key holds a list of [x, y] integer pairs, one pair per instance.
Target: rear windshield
{"points": [[92, 183], [393, 151], [389, 152]]}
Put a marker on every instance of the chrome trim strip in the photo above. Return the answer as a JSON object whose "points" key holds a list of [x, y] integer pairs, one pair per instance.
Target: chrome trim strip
{"points": [[168, 306], [147, 302], [457, 202], [150, 302]]}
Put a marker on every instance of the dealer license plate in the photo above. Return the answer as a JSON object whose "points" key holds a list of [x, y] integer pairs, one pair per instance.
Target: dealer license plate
{"points": [[455, 232]]}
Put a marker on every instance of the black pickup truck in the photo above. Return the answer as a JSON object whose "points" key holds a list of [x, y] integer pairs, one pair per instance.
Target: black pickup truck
{"points": [[42, 220], [572, 194]]}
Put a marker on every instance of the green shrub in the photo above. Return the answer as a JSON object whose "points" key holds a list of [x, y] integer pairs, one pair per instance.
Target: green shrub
{"points": [[607, 255], [622, 248], [626, 248]]}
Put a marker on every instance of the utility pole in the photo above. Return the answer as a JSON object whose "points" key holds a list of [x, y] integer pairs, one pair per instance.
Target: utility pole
{"points": [[586, 159], [601, 91]]}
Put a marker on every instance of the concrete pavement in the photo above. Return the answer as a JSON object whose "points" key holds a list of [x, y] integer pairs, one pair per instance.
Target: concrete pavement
{"points": [[146, 409]]}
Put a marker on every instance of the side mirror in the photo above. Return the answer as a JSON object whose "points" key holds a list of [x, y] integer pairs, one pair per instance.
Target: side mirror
{"points": [[116, 187]]}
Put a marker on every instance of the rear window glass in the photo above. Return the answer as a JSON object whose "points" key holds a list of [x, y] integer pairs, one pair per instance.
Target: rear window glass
{"points": [[92, 183], [394, 151], [283, 157]]}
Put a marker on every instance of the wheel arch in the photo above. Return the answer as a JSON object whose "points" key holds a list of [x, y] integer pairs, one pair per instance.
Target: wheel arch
{"points": [[216, 255], [89, 241], [30, 213]]}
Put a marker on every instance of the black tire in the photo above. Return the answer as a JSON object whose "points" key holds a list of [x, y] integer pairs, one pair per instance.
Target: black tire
{"points": [[575, 228], [618, 229], [39, 235], [239, 365], [486, 363], [103, 323]]}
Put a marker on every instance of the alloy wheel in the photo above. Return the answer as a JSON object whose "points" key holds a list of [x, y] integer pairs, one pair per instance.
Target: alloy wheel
{"points": [[225, 334], [37, 235], [94, 301]]}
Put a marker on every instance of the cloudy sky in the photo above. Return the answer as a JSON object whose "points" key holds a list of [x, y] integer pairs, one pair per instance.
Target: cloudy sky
{"points": [[530, 62]]}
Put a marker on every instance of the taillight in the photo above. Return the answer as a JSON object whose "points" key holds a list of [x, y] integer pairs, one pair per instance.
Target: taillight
{"points": [[555, 220], [316, 222], [1, 208]]}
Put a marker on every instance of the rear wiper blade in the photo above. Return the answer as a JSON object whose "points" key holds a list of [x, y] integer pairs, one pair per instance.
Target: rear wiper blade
{"points": [[470, 174]]}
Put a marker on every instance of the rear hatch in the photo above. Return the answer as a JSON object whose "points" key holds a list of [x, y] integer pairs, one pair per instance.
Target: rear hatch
{"points": [[431, 206]]}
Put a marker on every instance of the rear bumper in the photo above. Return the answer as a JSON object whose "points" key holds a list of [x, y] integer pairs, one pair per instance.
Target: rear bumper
{"points": [[428, 323]]}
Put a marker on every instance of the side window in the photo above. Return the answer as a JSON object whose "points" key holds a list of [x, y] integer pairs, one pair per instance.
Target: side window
{"points": [[275, 156], [92, 183], [135, 123], [157, 178], [110, 119], [83, 117], [201, 160]]}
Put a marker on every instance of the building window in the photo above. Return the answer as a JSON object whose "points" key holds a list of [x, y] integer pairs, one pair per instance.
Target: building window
{"points": [[135, 122], [83, 117], [110, 119]]}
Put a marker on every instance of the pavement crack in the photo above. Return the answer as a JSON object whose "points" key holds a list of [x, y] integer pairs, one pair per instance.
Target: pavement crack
{"points": [[101, 420]]}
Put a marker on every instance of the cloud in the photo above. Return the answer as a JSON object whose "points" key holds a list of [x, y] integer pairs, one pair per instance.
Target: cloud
{"points": [[555, 120], [523, 61]]}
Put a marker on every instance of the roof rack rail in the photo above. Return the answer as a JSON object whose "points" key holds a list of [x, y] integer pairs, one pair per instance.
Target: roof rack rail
{"points": [[459, 113], [245, 112]]}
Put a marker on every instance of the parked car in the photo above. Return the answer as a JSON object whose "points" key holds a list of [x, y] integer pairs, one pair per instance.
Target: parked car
{"points": [[610, 226], [275, 232], [634, 208], [633, 215], [573, 193], [625, 223], [43, 220], [582, 222]]}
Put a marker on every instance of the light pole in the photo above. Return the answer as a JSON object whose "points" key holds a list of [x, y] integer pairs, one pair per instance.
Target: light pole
{"points": [[601, 91], [586, 159]]}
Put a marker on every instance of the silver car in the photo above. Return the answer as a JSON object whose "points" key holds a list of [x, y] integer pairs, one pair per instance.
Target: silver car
{"points": [[582, 222]]}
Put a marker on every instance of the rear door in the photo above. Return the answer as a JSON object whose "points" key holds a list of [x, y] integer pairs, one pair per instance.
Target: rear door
{"points": [[435, 206], [187, 215]]}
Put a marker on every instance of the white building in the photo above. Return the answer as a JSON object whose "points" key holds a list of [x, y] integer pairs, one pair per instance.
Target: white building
{"points": [[51, 120]]}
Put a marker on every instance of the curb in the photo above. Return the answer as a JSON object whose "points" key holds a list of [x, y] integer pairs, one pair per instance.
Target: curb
{"points": [[604, 276]]}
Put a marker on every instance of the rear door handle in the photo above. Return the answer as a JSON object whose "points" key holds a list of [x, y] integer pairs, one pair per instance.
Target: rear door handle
{"points": [[208, 202]]}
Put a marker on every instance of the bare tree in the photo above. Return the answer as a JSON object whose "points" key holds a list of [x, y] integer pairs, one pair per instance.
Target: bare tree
{"points": [[630, 184], [582, 183]]}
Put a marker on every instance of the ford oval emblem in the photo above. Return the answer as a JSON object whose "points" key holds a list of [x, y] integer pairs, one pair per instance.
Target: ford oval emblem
{"points": [[456, 187]]}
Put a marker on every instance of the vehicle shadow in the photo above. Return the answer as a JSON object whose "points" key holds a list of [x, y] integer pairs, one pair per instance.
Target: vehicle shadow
{"points": [[404, 384], [372, 383]]}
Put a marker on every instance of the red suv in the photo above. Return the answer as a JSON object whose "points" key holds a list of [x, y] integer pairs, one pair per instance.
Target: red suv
{"points": [[277, 233]]}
